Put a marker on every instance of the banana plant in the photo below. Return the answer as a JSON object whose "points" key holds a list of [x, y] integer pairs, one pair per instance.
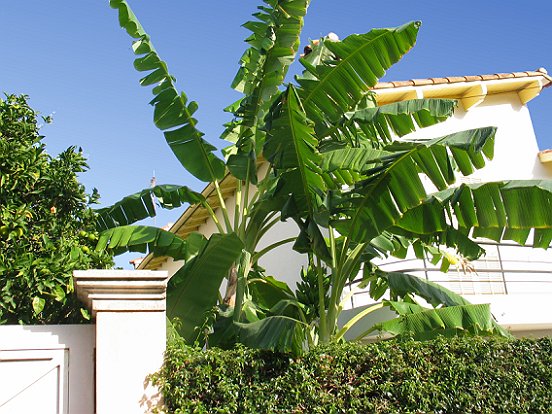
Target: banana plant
{"points": [[228, 254], [319, 151]]}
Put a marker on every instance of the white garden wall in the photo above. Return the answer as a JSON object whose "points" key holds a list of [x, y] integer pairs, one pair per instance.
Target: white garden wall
{"points": [[85, 369]]}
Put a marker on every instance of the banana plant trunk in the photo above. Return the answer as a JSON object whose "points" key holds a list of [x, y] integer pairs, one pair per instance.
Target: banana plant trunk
{"points": [[231, 287]]}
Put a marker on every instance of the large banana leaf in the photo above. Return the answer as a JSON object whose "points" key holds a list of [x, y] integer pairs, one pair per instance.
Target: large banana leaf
{"points": [[173, 113], [146, 239], [141, 205], [394, 186], [354, 159], [273, 45], [399, 118], [311, 240], [401, 284], [279, 333], [193, 290], [336, 86], [381, 123], [420, 323], [291, 148], [267, 292], [449, 237], [507, 210]]}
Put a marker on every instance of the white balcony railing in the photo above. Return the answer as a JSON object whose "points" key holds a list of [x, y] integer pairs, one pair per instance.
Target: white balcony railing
{"points": [[506, 269]]}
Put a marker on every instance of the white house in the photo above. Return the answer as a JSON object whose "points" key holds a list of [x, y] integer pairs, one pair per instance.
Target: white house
{"points": [[516, 280]]}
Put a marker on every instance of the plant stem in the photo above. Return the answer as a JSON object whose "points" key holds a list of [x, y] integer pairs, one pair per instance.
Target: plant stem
{"points": [[341, 276], [332, 245], [223, 206], [262, 231], [238, 205], [246, 198], [243, 270], [357, 318], [323, 328], [258, 255], [213, 216]]}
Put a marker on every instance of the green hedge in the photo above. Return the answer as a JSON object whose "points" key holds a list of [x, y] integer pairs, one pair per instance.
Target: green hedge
{"points": [[463, 375]]}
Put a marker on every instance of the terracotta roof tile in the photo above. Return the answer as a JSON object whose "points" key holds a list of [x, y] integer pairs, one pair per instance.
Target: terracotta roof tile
{"points": [[437, 81], [398, 84], [474, 78], [383, 85], [422, 82], [505, 75], [457, 79], [488, 77]]}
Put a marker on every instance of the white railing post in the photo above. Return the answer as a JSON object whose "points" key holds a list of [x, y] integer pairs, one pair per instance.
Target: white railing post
{"points": [[129, 308]]}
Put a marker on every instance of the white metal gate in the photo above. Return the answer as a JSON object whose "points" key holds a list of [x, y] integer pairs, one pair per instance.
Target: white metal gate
{"points": [[47, 369]]}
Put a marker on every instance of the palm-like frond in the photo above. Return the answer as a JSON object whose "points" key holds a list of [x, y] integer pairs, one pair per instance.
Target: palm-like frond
{"points": [[507, 210], [381, 123], [336, 86], [140, 205], [394, 186], [146, 239], [273, 45], [420, 323], [291, 149], [192, 290], [173, 113]]}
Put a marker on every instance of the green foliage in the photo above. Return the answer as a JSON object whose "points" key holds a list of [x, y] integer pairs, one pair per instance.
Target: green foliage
{"points": [[214, 259], [338, 165], [47, 229], [460, 375], [141, 205]]}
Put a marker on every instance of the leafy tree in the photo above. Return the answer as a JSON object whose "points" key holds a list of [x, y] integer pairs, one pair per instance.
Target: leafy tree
{"points": [[342, 168], [47, 229]]}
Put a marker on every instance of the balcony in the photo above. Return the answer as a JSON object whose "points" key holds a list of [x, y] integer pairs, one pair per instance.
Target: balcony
{"points": [[515, 280]]}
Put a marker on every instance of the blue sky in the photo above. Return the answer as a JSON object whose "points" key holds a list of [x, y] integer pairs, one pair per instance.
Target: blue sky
{"points": [[72, 59]]}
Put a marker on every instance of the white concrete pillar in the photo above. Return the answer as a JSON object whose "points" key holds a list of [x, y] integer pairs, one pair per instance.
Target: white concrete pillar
{"points": [[129, 308]]}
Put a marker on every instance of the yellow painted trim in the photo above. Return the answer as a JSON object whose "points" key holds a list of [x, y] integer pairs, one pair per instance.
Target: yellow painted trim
{"points": [[530, 91], [474, 96], [545, 156]]}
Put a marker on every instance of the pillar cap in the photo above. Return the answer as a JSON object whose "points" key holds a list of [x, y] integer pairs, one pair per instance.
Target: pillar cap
{"points": [[122, 290]]}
